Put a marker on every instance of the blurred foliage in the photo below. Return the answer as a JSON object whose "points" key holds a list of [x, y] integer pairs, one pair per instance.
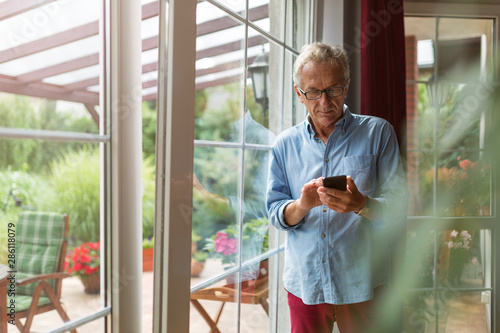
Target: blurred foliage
{"points": [[75, 191], [37, 114]]}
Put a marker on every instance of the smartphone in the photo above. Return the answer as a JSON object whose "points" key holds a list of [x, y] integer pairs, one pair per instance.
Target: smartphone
{"points": [[336, 182]]}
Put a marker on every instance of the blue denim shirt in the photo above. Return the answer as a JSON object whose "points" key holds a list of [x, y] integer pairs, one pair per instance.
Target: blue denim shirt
{"points": [[330, 257]]}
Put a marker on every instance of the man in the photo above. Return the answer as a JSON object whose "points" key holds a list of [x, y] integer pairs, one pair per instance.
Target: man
{"points": [[337, 258]]}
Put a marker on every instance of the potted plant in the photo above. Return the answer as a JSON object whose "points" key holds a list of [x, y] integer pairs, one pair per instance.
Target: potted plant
{"points": [[198, 262], [255, 241], [457, 245], [147, 254], [84, 262]]}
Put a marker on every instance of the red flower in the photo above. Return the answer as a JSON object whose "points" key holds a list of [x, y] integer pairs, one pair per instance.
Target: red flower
{"points": [[83, 260], [465, 164], [86, 258]]}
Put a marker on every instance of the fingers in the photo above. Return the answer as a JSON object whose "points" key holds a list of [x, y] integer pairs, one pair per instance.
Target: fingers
{"points": [[340, 201]]}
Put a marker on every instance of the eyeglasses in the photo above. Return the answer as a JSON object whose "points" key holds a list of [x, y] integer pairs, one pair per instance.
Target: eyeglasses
{"points": [[330, 92]]}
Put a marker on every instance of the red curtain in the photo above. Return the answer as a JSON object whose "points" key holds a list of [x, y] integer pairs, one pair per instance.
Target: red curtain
{"points": [[383, 74]]}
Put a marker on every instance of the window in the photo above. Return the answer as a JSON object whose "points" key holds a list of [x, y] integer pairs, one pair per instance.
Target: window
{"points": [[450, 90]]}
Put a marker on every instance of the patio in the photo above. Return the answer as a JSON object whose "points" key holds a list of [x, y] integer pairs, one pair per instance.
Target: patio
{"points": [[79, 304]]}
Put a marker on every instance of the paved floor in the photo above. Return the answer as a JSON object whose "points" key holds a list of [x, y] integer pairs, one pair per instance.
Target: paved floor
{"points": [[78, 304]]}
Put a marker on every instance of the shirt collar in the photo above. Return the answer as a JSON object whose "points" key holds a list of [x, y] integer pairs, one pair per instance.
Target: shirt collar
{"points": [[343, 122]]}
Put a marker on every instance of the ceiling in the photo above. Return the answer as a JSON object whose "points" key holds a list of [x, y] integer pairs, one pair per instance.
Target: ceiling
{"points": [[50, 49]]}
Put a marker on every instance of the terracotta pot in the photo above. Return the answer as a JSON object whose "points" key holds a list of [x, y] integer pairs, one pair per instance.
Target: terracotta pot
{"points": [[196, 268], [147, 259], [92, 283]]}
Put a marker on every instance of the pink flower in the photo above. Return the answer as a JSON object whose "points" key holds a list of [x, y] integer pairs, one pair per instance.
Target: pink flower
{"points": [[454, 233], [224, 244]]}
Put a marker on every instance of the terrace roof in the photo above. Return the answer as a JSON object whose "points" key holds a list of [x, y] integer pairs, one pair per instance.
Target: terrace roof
{"points": [[50, 49]]}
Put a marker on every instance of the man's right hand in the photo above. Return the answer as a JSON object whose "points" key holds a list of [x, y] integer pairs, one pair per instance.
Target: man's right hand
{"points": [[309, 198]]}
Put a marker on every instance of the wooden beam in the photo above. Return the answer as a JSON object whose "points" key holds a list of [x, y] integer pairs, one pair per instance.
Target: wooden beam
{"points": [[62, 68], [55, 40], [230, 47], [93, 113], [226, 22], [46, 90]]}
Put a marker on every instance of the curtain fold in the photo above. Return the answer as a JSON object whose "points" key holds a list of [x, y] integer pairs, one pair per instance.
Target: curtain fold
{"points": [[383, 68]]}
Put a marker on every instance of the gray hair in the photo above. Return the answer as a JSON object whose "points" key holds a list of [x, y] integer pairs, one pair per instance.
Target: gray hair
{"points": [[321, 53]]}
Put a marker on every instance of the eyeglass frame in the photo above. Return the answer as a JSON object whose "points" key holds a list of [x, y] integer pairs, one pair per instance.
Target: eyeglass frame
{"points": [[322, 91]]}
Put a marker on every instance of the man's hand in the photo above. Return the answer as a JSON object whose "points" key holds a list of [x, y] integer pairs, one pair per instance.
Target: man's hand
{"points": [[309, 198], [347, 201]]}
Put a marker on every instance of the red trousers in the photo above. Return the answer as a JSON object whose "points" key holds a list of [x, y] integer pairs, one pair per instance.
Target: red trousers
{"points": [[320, 318]]}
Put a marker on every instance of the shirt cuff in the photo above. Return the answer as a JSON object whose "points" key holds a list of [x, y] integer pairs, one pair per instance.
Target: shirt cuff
{"points": [[281, 216]]}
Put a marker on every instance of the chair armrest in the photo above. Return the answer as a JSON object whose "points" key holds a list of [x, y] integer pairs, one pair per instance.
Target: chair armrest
{"points": [[42, 277]]}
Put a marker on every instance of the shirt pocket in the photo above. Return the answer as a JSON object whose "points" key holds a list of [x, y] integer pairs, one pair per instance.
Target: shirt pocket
{"points": [[361, 168]]}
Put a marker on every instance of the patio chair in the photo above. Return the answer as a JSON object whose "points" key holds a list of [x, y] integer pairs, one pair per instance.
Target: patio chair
{"points": [[40, 243]]}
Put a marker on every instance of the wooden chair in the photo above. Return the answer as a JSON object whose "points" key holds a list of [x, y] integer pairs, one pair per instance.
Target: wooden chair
{"points": [[255, 294], [40, 244]]}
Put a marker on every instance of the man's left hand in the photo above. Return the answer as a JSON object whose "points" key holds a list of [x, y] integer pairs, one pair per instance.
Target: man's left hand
{"points": [[347, 201]]}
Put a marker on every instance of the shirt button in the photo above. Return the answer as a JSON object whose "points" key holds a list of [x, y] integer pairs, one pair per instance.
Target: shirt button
{"points": [[327, 160], [324, 210], [323, 235]]}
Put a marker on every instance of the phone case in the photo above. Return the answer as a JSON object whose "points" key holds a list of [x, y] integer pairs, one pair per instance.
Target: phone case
{"points": [[336, 182]]}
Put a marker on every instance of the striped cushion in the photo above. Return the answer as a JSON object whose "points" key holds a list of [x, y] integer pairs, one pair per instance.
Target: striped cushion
{"points": [[24, 302], [39, 237]]}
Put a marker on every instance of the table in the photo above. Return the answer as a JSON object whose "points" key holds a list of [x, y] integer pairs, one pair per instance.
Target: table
{"points": [[227, 293]]}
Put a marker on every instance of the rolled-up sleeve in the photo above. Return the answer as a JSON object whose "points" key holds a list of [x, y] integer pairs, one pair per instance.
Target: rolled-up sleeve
{"points": [[278, 193]]}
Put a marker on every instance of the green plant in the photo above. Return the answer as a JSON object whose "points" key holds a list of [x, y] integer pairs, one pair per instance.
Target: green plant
{"points": [[148, 197], [148, 243], [75, 183], [200, 256]]}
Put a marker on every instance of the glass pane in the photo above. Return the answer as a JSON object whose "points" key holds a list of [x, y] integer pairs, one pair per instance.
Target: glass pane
{"points": [[267, 15], [426, 117], [417, 308], [258, 84], [420, 40], [465, 49], [254, 201], [216, 208], [459, 311], [238, 6], [220, 75], [56, 177], [464, 257], [421, 176], [464, 184]]}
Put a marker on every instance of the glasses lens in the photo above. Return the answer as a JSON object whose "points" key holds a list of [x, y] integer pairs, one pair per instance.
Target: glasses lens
{"points": [[313, 94], [334, 92]]}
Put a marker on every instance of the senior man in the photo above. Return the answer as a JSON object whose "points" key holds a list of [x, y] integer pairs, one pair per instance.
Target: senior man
{"points": [[337, 257]]}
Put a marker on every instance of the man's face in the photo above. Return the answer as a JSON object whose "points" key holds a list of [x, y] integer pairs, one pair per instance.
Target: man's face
{"points": [[325, 111]]}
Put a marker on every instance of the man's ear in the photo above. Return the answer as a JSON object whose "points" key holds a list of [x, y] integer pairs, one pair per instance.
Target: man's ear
{"points": [[299, 95]]}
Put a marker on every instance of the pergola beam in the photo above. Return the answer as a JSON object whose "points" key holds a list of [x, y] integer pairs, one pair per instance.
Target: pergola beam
{"points": [[46, 90], [42, 44]]}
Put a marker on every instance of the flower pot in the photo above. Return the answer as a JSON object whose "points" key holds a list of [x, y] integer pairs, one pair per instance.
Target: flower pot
{"points": [[92, 283], [196, 268], [250, 280], [147, 259]]}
